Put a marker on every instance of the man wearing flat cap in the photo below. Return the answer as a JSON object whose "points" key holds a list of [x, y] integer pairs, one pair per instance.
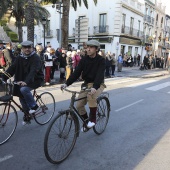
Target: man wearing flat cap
{"points": [[92, 68], [28, 74]]}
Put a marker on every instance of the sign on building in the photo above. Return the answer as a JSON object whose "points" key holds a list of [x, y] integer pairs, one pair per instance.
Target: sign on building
{"points": [[81, 30]]}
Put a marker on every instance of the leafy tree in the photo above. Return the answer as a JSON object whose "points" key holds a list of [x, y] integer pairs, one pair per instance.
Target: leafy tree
{"points": [[18, 9], [65, 16]]}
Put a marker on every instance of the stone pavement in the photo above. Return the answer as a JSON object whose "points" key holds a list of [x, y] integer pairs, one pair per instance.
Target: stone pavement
{"points": [[126, 72]]}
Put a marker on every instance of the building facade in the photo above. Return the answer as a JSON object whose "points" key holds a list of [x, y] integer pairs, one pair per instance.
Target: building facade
{"points": [[126, 26]]}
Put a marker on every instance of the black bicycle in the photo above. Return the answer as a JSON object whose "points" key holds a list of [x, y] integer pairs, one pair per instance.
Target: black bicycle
{"points": [[8, 113], [63, 131]]}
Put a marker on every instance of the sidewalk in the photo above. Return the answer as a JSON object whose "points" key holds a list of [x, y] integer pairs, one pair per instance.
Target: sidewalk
{"points": [[126, 72], [135, 72]]}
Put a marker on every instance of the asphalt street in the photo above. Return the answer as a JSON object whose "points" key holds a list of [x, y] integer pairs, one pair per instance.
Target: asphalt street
{"points": [[137, 136]]}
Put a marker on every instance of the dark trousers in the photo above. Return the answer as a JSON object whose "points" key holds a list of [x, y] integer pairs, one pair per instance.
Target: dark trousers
{"points": [[107, 71], [113, 69]]}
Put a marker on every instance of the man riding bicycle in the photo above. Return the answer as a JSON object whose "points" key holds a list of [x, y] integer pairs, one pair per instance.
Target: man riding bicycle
{"points": [[92, 68], [28, 74]]}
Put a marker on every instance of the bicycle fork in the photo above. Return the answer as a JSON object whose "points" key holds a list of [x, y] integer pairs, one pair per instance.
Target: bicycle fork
{"points": [[3, 114]]}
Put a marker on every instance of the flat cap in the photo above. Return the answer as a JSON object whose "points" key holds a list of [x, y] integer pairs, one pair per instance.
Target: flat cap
{"points": [[93, 43], [27, 43]]}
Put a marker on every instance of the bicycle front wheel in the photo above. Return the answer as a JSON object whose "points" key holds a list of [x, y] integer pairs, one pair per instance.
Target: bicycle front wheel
{"points": [[60, 138], [102, 115], [46, 102], [8, 122]]}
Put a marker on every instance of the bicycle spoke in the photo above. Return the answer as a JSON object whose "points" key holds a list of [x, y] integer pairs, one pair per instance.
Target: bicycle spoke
{"points": [[60, 139]]}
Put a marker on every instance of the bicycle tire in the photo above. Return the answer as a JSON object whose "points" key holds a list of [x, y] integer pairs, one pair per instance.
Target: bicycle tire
{"points": [[61, 132], [8, 122], [102, 115], [46, 102]]}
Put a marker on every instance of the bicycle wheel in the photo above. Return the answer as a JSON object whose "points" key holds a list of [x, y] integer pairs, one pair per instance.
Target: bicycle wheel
{"points": [[46, 102], [8, 122], [60, 137], [102, 115]]}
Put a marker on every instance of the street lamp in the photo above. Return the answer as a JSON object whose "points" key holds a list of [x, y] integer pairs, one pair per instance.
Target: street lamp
{"points": [[154, 37], [58, 6], [44, 23]]}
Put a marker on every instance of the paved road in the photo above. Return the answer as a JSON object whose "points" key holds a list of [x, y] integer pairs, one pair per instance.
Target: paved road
{"points": [[137, 136]]}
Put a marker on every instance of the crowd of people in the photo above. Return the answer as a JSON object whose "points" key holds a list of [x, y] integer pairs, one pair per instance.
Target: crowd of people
{"points": [[66, 60]]}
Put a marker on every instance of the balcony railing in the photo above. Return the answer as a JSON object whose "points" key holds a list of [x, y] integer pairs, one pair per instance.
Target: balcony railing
{"points": [[131, 32], [149, 19], [48, 33], [101, 29]]}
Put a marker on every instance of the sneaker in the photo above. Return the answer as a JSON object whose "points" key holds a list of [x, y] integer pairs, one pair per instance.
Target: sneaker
{"points": [[47, 83], [26, 120], [84, 129], [34, 109], [90, 124]]}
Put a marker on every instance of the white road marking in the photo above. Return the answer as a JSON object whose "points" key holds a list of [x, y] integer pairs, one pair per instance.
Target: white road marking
{"points": [[5, 158], [159, 86], [129, 105], [141, 83]]}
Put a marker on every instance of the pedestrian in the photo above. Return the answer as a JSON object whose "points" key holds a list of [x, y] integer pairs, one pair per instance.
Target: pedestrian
{"points": [[8, 55], [119, 63], [54, 65], [76, 59], [69, 64], [39, 52], [113, 64], [62, 66], [48, 59], [138, 60], [108, 64]]}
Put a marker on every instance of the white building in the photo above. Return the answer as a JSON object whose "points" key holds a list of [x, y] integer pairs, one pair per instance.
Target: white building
{"points": [[117, 24]]}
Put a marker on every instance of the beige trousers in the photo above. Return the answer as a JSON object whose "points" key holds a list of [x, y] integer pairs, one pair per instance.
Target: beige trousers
{"points": [[91, 99]]}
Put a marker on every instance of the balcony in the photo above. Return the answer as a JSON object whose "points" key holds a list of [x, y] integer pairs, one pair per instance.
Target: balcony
{"points": [[48, 33], [103, 30], [149, 19], [132, 32]]}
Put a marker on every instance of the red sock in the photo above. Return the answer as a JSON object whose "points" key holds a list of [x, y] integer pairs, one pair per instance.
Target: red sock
{"points": [[92, 116]]}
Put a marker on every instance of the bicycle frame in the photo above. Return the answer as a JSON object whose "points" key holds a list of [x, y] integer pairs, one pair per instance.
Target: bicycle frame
{"points": [[19, 106]]}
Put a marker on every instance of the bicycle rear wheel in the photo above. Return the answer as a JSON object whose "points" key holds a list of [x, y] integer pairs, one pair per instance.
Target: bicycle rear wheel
{"points": [[8, 122], [46, 102], [102, 115], [60, 137]]}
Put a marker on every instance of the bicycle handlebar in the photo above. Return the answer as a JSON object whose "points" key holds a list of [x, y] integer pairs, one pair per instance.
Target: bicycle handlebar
{"points": [[71, 91]]}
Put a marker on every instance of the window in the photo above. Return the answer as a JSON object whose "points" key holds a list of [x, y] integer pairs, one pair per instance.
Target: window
{"points": [[48, 28], [131, 25], [138, 27], [102, 23], [123, 22], [129, 50], [136, 51]]}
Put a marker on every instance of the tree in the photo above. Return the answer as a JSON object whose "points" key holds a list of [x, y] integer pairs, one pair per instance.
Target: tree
{"points": [[17, 9], [29, 17], [65, 16]]}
